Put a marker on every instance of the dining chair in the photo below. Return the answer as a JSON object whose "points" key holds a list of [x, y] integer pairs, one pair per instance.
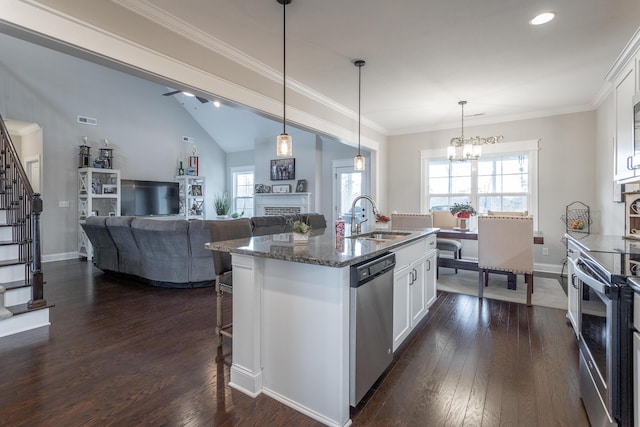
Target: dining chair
{"points": [[444, 219], [220, 231], [506, 213], [409, 221], [505, 243]]}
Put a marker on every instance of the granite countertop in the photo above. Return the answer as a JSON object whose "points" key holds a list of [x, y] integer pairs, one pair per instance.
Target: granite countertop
{"points": [[323, 248], [607, 250], [605, 243]]}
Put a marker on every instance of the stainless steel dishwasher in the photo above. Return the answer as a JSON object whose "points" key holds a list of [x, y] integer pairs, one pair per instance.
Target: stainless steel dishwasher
{"points": [[371, 323]]}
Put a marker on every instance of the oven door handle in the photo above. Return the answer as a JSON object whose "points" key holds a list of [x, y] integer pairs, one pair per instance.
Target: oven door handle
{"points": [[587, 279]]}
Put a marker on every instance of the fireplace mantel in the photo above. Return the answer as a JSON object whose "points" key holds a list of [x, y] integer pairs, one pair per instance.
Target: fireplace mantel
{"points": [[281, 203]]}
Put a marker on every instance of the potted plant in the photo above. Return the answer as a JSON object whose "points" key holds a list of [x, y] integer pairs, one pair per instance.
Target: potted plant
{"points": [[463, 212], [300, 232], [222, 203]]}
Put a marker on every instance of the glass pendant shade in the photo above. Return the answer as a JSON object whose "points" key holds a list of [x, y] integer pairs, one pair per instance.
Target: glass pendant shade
{"points": [[358, 163], [451, 152], [467, 150], [284, 145], [477, 151]]}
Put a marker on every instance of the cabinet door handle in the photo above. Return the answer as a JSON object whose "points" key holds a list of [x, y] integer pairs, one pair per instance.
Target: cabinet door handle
{"points": [[428, 265]]}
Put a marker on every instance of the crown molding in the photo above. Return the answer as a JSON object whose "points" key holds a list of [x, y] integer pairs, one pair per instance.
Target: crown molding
{"points": [[622, 60], [498, 119]]}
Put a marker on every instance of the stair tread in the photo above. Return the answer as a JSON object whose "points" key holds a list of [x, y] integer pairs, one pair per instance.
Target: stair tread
{"points": [[10, 262], [15, 285], [9, 242], [24, 308]]}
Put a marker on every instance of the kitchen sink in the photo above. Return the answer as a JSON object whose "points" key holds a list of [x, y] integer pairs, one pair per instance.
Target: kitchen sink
{"points": [[380, 236]]}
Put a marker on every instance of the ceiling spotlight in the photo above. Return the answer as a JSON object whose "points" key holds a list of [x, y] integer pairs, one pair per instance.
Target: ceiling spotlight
{"points": [[542, 18], [188, 94]]}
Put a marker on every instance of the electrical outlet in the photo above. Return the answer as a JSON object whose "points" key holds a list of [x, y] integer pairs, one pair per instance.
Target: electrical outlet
{"points": [[545, 251], [63, 204]]}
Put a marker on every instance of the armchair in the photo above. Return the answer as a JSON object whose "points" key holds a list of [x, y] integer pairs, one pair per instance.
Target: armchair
{"points": [[505, 243]]}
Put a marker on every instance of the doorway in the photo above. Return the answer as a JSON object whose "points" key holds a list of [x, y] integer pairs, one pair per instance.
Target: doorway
{"points": [[347, 185]]}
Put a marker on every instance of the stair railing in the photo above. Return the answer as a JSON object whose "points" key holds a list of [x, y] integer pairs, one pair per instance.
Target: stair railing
{"points": [[23, 207]]}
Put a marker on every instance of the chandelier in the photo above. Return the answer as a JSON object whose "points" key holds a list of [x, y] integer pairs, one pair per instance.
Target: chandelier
{"points": [[461, 148]]}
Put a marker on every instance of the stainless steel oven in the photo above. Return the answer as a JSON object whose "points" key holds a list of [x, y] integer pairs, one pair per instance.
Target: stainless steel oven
{"points": [[599, 341]]}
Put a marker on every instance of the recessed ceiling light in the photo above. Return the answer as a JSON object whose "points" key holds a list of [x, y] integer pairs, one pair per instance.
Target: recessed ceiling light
{"points": [[187, 94], [542, 18], [216, 104]]}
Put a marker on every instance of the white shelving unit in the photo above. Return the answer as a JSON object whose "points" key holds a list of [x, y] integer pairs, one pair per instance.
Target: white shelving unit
{"points": [[192, 199], [98, 194]]}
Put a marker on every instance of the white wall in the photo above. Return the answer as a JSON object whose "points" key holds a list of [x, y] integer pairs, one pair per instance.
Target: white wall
{"points": [[567, 168]]}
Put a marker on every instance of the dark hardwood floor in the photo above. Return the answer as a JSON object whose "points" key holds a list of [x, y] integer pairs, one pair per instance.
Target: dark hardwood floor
{"points": [[124, 354]]}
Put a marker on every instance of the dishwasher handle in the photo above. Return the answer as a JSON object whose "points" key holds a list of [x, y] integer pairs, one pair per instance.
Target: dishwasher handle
{"points": [[368, 270]]}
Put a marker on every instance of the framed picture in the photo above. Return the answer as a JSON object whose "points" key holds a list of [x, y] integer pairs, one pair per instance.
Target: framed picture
{"points": [[283, 169], [109, 188], [283, 188], [196, 190], [301, 187], [258, 188]]}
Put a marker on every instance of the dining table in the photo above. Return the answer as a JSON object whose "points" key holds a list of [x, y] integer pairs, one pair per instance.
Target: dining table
{"points": [[472, 265]]}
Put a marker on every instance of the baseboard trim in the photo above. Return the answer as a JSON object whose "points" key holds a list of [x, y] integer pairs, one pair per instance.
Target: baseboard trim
{"points": [[60, 257]]}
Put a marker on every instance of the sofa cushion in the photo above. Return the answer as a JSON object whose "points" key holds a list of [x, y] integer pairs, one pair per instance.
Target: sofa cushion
{"points": [[201, 272], [128, 252], [164, 249], [272, 224], [105, 252]]}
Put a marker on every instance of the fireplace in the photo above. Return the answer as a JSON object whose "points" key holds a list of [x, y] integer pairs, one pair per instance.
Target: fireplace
{"points": [[281, 203]]}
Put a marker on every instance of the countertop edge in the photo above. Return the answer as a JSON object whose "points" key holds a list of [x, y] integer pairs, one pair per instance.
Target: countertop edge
{"points": [[232, 246]]}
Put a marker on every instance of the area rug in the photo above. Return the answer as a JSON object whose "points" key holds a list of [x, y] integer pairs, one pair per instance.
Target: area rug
{"points": [[547, 292]]}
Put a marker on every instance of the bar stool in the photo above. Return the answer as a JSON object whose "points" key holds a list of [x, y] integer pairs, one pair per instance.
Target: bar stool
{"points": [[220, 231]]}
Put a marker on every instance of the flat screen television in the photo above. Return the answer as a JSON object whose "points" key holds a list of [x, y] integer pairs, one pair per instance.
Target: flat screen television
{"points": [[142, 198]]}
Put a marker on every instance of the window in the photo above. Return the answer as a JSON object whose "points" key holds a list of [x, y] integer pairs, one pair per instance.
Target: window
{"points": [[243, 191], [503, 179]]}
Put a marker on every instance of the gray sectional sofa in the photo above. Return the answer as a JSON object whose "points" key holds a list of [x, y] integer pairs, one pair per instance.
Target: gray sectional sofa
{"points": [[169, 252]]}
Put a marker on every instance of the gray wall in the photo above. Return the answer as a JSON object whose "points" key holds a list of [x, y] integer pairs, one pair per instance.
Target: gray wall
{"points": [[145, 128]]}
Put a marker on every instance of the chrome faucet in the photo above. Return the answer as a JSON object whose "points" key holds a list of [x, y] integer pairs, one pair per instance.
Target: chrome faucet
{"points": [[356, 228]]}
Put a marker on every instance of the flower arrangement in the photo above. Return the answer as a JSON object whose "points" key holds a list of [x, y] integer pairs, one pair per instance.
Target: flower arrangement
{"points": [[300, 227], [462, 210]]}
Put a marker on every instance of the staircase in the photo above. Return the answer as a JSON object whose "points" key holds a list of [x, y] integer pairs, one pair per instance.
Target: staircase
{"points": [[22, 303]]}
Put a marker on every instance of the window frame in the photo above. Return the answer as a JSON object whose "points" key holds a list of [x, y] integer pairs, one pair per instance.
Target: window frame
{"points": [[235, 171], [529, 147]]}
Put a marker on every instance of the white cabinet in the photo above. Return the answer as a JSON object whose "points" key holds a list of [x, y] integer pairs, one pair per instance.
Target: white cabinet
{"points": [[625, 79], [98, 194], [192, 200], [414, 283], [573, 288]]}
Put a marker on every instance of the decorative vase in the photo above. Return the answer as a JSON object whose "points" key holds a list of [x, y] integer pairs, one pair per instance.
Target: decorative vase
{"points": [[300, 238], [464, 223], [382, 225]]}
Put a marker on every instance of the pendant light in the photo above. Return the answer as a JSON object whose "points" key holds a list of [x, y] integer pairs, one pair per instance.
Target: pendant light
{"points": [[358, 161], [284, 144]]}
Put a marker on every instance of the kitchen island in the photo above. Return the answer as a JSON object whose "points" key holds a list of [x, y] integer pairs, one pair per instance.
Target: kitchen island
{"points": [[291, 313]]}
